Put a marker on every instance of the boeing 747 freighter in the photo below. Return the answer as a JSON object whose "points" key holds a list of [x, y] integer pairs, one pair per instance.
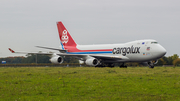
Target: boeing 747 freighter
{"points": [[142, 51]]}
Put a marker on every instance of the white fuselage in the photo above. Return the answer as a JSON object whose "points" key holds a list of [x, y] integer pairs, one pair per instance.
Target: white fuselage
{"points": [[135, 51]]}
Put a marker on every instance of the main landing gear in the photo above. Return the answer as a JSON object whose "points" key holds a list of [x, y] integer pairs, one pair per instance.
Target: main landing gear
{"points": [[123, 66], [111, 65]]}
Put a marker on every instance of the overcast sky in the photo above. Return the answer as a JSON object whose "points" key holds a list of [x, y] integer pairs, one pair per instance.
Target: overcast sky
{"points": [[28, 23]]}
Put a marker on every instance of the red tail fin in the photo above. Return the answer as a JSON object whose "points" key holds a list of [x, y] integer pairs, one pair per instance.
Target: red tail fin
{"points": [[64, 35]]}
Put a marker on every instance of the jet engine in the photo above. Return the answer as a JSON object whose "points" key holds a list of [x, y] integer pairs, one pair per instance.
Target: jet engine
{"points": [[92, 62], [56, 59]]}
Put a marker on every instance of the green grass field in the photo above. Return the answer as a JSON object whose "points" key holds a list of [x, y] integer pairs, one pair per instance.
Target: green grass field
{"points": [[89, 84]]}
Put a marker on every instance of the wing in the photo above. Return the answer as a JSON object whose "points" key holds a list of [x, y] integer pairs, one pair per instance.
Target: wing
{"points": [[109, 57], [83, 56], [60, 50], [12, 51], [79, 56]]}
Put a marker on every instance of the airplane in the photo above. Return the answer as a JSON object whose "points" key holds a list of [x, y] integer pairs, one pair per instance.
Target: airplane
{"points": [[146, 52]]}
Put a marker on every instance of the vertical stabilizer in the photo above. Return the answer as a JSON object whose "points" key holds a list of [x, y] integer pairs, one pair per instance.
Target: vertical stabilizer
{"points": [[65, 37]]}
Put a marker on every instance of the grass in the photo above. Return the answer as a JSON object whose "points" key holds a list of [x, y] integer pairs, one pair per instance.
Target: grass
{"points": [[89, 83]]}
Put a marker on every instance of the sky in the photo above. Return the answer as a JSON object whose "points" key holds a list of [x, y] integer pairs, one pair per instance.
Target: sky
{"points": [[25, 24]]}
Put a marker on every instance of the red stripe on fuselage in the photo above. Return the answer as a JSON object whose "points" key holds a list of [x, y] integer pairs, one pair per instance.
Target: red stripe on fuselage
{"points": [[74, 49]]}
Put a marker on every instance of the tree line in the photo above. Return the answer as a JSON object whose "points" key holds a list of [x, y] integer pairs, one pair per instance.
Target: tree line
{"points": [[170, 60], [35, 59]]}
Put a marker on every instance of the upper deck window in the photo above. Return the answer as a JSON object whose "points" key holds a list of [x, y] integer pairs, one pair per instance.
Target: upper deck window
{"points": [[154, 42]]}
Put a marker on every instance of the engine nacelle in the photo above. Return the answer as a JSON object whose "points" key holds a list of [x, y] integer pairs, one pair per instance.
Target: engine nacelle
{"points": [[56, 60], [92, 62]]}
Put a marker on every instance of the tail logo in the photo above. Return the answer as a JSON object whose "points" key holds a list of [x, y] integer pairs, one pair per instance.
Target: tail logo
{"points": [[64, 37]]}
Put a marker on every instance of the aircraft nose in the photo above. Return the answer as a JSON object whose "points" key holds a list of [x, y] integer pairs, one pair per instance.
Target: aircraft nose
{"points": [[159, 51], [162, 51]]}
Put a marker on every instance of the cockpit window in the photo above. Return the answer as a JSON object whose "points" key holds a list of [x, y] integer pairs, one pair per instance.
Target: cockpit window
{"points": [[154, 42]]}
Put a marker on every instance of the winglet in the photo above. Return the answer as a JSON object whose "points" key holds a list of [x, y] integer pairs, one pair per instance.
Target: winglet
{"points": [[11, 50]]}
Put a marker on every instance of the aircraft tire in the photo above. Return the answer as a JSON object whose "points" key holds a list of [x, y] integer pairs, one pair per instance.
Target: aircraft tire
{"points": [[110, 65], [123, 67], [151, 65]]}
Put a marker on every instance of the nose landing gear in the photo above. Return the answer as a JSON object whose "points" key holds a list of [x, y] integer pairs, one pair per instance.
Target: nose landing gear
{"points": [[151, 64]]}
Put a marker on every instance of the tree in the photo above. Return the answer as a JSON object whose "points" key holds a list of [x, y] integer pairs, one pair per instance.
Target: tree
{"points": [[40, 59], [167, 60], [161, 61], [176, 62], [175, 56], [171, 59], [70, 60]]}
